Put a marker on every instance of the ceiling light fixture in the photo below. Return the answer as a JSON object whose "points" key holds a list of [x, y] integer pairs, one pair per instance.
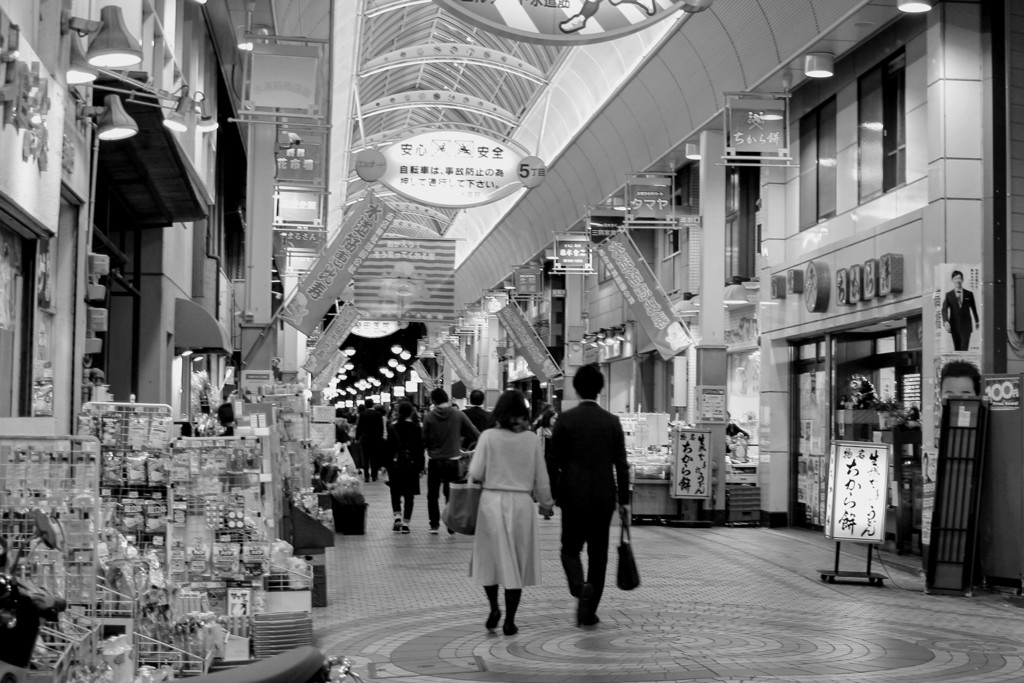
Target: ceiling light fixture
{"points": [[80, 71], [396, 349], [693, 151], [113, 47], [112, 122], [819, 64], [914, 6], [735, 294], [207, 120]]}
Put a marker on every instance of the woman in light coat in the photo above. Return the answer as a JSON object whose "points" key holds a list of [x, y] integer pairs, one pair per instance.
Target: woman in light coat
{"points": [[509, 461]]}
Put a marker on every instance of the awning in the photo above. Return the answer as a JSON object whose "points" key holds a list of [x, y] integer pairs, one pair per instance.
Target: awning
{"points": [[150, 173], [196, 330]]}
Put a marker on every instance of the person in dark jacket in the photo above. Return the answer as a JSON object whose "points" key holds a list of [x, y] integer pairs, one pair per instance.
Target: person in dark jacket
{"points": [[405, 465], [444, 428], [372, 438], [476, 413], [589, 449]]}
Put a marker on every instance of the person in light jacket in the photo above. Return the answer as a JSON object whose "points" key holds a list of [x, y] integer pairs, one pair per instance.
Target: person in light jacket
{"points": [[509, 461]]}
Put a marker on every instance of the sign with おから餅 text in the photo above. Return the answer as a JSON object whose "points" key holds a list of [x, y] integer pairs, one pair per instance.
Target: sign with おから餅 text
{"points": [[857, 489]]}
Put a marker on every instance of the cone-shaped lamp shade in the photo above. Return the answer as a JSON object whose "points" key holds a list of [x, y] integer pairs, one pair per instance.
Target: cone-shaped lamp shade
{"points": [[819, 64], [113, 47], [207, 121], [692, 151], [114, 123], [914, 6], [80, 71], [176, 121], [735, 294]]}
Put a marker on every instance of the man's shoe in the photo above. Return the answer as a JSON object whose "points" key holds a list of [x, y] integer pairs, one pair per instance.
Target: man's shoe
{"points": [[585, 612], [405, 529], [592, 620], [397, 527], [450, 531], [433, 530]]}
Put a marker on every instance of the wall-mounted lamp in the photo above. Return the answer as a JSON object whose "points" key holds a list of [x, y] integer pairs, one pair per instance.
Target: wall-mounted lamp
{"points": [[914, 6], [207, 119], [112, 122], [819, 64], [735, 294], [112, 46], [176, 120], [693, 151], [80, 71]]}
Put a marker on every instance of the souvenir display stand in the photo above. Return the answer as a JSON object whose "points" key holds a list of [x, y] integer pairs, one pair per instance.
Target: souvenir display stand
{"points": [[54, 478], [649, 451]]}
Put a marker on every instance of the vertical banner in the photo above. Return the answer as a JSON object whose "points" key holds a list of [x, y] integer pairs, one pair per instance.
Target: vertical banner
{"points": [[529, 344], [461, 366], [408, 279], [691, 471], [335, 268], [331, 339], [857, 489], [957, 308], [644, 294], [428, 381], [331, 366]]}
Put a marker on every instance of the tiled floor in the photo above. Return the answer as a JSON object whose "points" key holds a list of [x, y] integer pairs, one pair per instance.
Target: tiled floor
{"points": [[721, 604]]}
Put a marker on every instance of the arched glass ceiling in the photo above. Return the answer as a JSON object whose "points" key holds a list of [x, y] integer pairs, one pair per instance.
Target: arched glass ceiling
{"points": [[408, 25]]}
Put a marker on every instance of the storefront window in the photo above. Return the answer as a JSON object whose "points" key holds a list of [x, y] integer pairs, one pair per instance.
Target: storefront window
{"points": [[13, 323], [811, 432]]}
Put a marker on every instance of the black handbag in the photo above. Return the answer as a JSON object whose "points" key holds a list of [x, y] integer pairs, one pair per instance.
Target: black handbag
{"points": [[626, 576]]}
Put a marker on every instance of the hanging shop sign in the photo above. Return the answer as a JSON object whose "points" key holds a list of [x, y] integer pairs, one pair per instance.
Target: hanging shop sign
{"points": [[756, 133], [573, 254], [691, 472], [284, 80], [300, 157], [298, 208], [494, 301], [375, 329], [817, 286], [462, 368], [649, 201], [331, 339], [529, 344], [603, 224], [857, 489], [645, 295], [408, 279], [527, 280], [335, 268], [560, 22], [451, 169]]}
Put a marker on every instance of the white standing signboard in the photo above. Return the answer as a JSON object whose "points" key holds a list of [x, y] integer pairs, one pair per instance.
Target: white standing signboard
{"points": [[857, 489], [691, 469]]}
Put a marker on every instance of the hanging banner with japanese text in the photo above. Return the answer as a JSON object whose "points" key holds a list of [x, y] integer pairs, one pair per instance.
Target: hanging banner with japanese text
{"points": [[528, 343], [461, 366], [644, 294], [857, 489], [408, 279], [328, 370], [691, 469], [428, 380], [331, 339], [336, 266]]}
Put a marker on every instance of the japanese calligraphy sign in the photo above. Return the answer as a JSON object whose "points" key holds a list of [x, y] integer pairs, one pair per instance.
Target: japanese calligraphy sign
{"points": [[645, 296], [565, 22], [408, 279], [691, 469], [336, 266], [461, 366], [331, 339], [573, 254], [453, 169], [649, 200], [857, 489], [529, 344], [328, 369], [756, 131]]}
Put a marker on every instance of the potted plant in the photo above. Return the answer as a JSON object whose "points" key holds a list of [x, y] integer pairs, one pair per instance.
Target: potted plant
{"points": [[349, 506], [891, 412]]}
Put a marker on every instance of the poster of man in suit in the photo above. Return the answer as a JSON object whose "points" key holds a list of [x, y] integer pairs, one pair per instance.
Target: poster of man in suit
{"points": [[957, 308]]}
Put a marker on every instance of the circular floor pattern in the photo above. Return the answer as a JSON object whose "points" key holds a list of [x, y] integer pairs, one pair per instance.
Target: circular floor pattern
{"points": [[643, 643]]}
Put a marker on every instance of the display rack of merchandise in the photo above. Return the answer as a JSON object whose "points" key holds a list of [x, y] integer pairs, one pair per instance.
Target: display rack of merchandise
{"points": [[54, 479]]}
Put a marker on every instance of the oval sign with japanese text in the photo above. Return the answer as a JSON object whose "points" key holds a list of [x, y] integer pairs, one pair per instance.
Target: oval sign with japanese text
{"points": [[456, 169], [564, 22]]}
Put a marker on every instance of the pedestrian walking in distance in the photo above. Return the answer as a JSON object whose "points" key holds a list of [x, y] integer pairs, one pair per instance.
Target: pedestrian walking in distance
{"points": [[444, 429]]}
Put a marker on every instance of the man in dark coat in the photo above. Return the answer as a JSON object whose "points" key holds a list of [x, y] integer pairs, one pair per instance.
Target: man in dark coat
{"points": [[589, 452], [370, 434], [476, 413], [959, 313]]}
